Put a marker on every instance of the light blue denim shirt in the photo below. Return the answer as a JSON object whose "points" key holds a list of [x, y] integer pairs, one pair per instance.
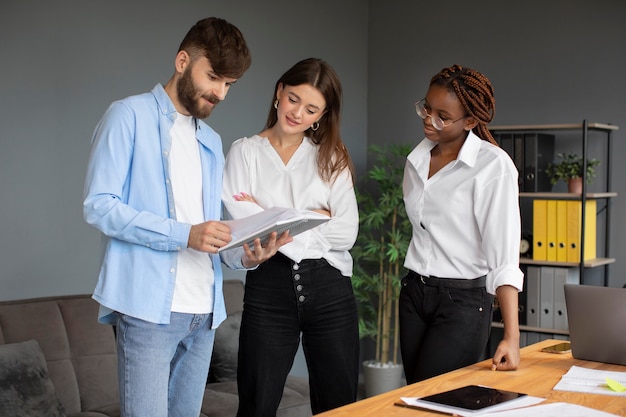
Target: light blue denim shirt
{"points": [[128, 197]]}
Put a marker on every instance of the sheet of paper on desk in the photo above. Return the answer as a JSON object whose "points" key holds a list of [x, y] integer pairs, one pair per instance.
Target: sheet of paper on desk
{"points": [[524, 401], [591, 381], [551, 410]]}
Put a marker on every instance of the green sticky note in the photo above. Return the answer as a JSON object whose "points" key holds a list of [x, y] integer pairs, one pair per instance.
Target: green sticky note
{"points": [[614, 385]]}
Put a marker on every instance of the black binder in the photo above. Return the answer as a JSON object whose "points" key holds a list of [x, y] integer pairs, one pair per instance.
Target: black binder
{"points": [[538, 153]]}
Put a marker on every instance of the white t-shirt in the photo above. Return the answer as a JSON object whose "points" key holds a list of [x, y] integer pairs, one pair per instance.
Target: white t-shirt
{"points": [[465, 218], [193, 292], [253, 166]]}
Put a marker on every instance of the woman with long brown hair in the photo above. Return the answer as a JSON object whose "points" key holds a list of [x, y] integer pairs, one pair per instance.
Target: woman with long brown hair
{"points": [[304, 291]]}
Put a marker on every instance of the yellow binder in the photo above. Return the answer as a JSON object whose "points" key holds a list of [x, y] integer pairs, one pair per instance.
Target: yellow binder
{"points": [[561, 230], [574, 225], [540, 212], [551, 237]]}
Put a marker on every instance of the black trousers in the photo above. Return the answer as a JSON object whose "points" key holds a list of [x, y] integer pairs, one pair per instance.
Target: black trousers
{"points": [[443, 325], [284, 301]]}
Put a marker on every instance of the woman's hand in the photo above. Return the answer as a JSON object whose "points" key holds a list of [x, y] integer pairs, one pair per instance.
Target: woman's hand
{"points": [[507, 355], [260, 254], [244, 197]]}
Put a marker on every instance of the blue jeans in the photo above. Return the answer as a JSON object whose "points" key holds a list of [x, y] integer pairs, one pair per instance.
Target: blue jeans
{"points": [[282, 302], [163, 368]]}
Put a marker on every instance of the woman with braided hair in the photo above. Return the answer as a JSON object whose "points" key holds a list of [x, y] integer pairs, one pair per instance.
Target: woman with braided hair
{"points": [[461, 195]]}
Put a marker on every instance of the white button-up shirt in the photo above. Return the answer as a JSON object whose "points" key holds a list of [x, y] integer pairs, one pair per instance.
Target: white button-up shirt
{"points": [[254, 167], [465, 218]]}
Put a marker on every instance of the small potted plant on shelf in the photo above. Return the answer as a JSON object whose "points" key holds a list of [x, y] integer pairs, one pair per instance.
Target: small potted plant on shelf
{"points": [[570, 170], [379, 252]]}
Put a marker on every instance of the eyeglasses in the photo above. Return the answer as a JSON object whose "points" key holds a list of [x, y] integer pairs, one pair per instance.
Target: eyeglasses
{"points": [[437, 123]]}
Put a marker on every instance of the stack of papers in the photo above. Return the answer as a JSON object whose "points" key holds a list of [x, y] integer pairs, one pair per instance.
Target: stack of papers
{"points": [[591, 381]]}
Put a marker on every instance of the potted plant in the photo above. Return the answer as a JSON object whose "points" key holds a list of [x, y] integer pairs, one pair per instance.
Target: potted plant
{"points": [[570, 170], [379, 253]]}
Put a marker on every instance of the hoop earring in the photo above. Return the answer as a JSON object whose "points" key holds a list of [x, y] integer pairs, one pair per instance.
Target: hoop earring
{"points": [[315, 126], [276, 104]]}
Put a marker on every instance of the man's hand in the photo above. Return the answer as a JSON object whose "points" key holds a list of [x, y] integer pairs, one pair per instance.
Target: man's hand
{"points": [[260, 254], [209, 236]]}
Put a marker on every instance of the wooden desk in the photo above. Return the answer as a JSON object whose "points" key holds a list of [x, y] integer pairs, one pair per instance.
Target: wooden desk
{"points": [[537, 375]]}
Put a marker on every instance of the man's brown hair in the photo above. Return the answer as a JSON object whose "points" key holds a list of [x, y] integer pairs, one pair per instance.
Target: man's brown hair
{"points": [[221, 43]]}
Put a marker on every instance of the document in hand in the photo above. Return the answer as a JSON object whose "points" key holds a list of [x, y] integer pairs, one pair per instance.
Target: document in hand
{"points": [[471, 400], [275, 219]]}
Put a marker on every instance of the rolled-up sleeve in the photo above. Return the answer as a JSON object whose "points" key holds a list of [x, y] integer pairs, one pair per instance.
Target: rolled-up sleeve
{"points": [[497, 209]]}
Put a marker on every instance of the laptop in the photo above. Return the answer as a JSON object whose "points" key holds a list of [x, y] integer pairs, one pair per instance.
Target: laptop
{"points": [[597, 322]]}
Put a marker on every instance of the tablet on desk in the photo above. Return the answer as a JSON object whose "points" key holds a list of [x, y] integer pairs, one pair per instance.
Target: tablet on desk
{"points": [[472, 397], [470, 400]]}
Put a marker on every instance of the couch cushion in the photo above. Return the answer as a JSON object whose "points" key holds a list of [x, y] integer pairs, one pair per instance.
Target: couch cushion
{"points": [[233, 295], [80, 353], [224, 359], [221, 400], [25, 388]]}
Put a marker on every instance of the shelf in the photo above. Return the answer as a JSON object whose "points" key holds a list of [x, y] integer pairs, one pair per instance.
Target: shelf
{"points": [[525, 328], [567, 196], [596, 126], [514, 140], [589, 263]]}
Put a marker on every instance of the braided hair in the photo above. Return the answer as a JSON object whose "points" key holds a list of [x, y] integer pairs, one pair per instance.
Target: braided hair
{"points": [[475, 93]]}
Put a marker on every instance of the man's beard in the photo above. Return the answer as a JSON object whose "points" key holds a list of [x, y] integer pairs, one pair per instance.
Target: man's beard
{"points": [[191, 99]]}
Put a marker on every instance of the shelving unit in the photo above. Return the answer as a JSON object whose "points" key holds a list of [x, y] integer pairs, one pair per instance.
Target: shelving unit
{"points": [[584, 128], [588, 263], [606, 131]]}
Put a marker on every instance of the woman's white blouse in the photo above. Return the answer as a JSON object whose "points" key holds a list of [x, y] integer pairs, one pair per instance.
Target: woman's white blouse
{"points": [[254, 167], [465, 218]]}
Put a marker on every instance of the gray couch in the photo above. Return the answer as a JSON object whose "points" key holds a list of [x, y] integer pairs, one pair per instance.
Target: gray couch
{"points": [[56, 360]]}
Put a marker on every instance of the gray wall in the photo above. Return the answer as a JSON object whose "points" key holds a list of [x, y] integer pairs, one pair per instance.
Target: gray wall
{"points": [[549, 61], [63, 63]]}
